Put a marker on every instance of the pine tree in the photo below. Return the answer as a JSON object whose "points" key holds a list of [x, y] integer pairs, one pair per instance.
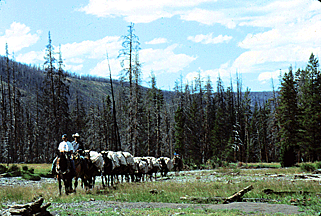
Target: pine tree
{"points": [[106, 124], [220, 137], [78, 115], [288, 119], [49, 103], [61, 91], [209, 116], [246, 107], [130, 65], [9, 123], [179, 132]]}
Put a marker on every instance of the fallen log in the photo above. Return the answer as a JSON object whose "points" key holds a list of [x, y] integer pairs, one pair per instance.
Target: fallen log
{"points": [[204, 199], [33, 208], [318, 171], [221, 199], [238, 195], [270, 191], [235, 197], [306, 176]]}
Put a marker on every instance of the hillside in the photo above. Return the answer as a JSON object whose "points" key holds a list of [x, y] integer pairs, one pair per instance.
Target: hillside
{"points": [[92, 89], [30, 78]]}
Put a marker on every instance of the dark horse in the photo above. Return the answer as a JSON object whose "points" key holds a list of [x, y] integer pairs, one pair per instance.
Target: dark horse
{"points": [[178, 164], [64, 173], [91, 171], [108, 170], [81, 169]]}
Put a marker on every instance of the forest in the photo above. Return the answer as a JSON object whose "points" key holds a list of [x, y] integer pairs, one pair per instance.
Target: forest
{"points": [[196, 121]]}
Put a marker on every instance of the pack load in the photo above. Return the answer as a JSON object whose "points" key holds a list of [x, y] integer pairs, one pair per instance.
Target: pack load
{"points": [[97, 159]]}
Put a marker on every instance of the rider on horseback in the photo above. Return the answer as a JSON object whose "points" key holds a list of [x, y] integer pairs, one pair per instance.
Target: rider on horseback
{"points": [[66, 147], [77, 145]]}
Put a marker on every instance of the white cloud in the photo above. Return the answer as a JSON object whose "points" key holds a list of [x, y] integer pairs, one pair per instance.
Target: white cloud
{"points": [[102, 68], [139, 11], [290, 32], [208, 39], [32, 57], [157, 60], [74, 68], [75, 55], [92, 49], [279, 13], [209, 17], [163, 61], [157, 41], [222, 72], [267, 76], [17, 38], [292, 43]]}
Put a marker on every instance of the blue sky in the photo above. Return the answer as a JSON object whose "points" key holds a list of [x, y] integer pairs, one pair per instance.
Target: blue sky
{"points": [[179, 39]]}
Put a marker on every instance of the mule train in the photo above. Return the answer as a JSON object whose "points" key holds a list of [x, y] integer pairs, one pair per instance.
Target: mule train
{"points": [[112, 165]]}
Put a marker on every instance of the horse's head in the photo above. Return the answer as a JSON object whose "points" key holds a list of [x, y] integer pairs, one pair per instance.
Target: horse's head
{"points": [[62, 163], [108, 164]]}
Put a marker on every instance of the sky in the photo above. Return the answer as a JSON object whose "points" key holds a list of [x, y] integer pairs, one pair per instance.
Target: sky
{"points": [[254, 40]]}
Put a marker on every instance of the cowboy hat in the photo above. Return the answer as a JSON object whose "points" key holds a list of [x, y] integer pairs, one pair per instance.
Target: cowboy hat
{"points": [[75, 135]]}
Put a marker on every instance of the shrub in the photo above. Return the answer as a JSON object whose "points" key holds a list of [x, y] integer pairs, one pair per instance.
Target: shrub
{"points": [[308, 167], [224, 164], [29, 176], [318, 164], [3, 168], [13, 168], [239, 164], [32, 170], [25, 168]]}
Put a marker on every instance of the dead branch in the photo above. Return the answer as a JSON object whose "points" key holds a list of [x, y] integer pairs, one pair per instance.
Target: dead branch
{"points": [[238, 195]]}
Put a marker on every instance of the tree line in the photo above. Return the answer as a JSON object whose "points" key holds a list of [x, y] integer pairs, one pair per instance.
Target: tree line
{"points": [[201, 124]]}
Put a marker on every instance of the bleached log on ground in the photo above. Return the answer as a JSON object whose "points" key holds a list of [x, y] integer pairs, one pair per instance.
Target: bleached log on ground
{"points": [[32, 208], [235, 197], [238, 195]]}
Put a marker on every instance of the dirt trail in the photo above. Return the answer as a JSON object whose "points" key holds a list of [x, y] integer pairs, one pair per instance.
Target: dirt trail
{"points": [[247, 207]]}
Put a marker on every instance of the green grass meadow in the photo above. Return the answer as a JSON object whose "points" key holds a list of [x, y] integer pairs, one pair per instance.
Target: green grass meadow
{"points": [[168, 191]]}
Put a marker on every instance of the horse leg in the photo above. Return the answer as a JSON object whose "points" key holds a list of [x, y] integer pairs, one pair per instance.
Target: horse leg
{"points": [[66, 186], [102, 179], [59, 183], [70, 185], [76, 183], [90, 182]]}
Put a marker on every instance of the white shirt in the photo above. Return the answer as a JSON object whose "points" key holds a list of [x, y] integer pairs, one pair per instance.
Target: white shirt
{"points": [[65, 146]]}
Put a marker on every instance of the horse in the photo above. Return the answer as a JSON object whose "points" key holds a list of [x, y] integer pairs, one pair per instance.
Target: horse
{"points": [[163, 170], [80, 171], [178, 164], [107, 171], [64, 173], [93, 168]]}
